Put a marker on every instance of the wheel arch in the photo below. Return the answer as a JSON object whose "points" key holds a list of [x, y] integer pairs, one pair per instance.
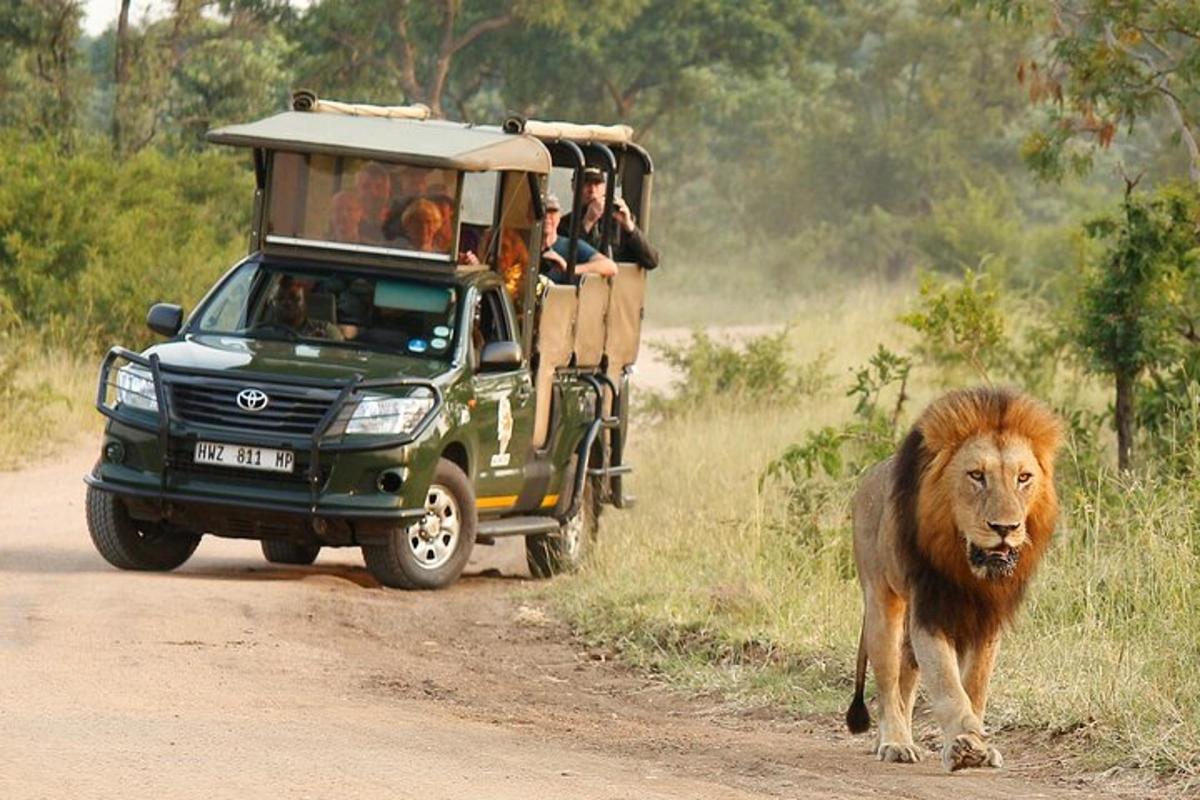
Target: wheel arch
{"points": [[457, 453]]}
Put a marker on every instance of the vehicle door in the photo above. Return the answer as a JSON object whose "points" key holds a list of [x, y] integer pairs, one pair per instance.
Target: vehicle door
{"points": [[503, 412]]}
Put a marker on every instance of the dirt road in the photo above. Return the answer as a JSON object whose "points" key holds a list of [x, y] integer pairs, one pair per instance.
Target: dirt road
{"points": [[233, 678]]}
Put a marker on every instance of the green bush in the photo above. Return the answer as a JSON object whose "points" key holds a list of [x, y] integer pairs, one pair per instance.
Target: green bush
{"points": [[759, 371], [88, 243]]}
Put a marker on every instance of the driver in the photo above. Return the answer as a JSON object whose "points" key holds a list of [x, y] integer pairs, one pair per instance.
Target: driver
{"points": [[291, 310]]}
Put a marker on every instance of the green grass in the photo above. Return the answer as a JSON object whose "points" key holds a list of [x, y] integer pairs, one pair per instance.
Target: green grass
{"points": [[710, 583], [46, 402]]}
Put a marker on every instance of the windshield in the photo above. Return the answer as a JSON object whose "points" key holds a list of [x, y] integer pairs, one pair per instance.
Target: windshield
{"points": [[349, 309]]}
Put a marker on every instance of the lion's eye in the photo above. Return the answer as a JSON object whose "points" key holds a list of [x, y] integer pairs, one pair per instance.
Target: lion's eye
{"points": [[977, 476], [1024, 478]]}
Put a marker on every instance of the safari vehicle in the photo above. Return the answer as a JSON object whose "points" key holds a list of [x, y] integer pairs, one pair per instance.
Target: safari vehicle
{"points": [[375, 374]]}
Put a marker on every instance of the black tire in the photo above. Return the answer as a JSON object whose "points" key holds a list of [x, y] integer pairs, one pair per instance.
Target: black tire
{"points": [[423, 555], [550, 554], [126, 544], [281, 552]]}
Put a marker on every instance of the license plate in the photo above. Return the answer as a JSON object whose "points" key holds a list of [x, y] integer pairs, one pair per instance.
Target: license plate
{"points": [[237, 455]]}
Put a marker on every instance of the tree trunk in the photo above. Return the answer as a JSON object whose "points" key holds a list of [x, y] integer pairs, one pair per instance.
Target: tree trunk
{"points": [[120, 75], [1124, 421]]}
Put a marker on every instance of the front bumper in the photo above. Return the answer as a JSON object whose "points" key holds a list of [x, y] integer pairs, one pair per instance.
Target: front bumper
{"points": [[331, 499]]}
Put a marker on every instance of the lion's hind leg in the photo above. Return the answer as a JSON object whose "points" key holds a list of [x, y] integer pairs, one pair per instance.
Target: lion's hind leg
{"points": [[883, 633]]}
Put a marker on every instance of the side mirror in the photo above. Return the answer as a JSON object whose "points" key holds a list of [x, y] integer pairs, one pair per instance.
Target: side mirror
{"points": [[165, 318], [500, 356]]}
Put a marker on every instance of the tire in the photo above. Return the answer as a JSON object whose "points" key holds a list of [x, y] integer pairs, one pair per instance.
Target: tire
{"points": [[550, 554], [147, 546], [431, 553], [278, 551]]}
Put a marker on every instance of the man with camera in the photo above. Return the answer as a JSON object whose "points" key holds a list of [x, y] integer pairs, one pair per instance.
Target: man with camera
{"points": [[629, 244]]}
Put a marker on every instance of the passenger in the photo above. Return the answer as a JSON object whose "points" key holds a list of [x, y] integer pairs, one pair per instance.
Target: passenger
{"points": [[291, 310], [511, 260], [373, 186], [628, 242], [421, 222], [588, 260], [346, 217], [408, 184], [445, 235]]}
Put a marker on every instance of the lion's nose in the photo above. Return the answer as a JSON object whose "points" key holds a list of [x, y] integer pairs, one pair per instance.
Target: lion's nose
{"points": [[1004, 528]]}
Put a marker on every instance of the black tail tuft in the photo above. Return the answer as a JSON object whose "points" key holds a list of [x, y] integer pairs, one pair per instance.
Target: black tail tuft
{"points": [[858, 718]]}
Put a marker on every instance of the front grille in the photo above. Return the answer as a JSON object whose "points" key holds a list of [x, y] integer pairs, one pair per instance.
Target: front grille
{"points": [[289, 411]]}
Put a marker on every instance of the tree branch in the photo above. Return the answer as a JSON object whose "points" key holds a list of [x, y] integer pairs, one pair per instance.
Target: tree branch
{"points": [[1185, 132], [479, 29], [407, 67]]}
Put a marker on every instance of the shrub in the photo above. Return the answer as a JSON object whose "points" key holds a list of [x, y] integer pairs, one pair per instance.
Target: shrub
{"points": [[759, 371], [87, 243]]}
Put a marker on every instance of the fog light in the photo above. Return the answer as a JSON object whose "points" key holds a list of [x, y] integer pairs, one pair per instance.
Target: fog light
{"points": [[114, 452], [390, 480]]}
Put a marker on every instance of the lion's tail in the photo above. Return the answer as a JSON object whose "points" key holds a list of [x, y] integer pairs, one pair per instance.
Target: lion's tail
{"points": [[858, 718]]}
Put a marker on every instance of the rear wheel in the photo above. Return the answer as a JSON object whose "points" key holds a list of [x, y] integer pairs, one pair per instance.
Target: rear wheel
{"points": [[282, 552], [126, 544], [565, 550], [432, 552]]}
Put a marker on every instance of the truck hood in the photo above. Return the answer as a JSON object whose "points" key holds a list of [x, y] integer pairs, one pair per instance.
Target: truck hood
{"points": [[236, 355]]}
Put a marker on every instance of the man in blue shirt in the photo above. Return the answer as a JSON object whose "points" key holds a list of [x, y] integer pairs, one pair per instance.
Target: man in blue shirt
{"points": [[556, 249]]}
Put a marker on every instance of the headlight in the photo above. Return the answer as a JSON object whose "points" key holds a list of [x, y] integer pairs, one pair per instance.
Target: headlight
{"points": [[381, 414], [135, 388]]}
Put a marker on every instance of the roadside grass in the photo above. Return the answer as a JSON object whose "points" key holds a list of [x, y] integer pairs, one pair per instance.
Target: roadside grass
{"points": [[709, 583], [46, 400]]}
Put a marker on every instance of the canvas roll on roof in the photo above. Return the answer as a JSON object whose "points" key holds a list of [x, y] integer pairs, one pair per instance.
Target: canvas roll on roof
{"points": [[430, 143]]}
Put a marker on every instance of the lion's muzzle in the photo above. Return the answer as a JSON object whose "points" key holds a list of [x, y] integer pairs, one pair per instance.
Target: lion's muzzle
{"points": [[993, 562]]}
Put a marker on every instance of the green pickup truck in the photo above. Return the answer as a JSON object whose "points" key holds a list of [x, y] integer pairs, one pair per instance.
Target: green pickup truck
{"points": [[385, 370]]}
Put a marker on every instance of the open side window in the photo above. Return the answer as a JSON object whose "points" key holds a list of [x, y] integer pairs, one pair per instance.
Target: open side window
{"points": [[492, 323]]}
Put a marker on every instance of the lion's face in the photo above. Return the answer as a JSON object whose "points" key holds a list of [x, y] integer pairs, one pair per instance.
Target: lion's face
{"points": [[992, 482]]}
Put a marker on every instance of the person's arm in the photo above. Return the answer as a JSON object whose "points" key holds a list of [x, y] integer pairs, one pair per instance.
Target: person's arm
{"points": [[632, 244], [598, 264], [634, 247]]}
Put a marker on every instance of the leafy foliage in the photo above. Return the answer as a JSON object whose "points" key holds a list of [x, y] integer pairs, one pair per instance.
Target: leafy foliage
{"points": [[167, 231], [820, 469], [961, 324], [1105, 66], [759, 371]]}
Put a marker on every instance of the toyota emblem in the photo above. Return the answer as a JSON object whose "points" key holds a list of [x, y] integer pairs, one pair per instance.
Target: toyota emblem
{"points": [[252, 399]]}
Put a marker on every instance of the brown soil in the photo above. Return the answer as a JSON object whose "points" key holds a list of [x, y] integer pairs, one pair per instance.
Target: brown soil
{"points": [[234, 678]]}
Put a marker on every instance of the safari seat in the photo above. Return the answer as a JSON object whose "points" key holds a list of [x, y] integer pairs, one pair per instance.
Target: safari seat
{"points": [[589, 324], [623, 328], [555, 342]]}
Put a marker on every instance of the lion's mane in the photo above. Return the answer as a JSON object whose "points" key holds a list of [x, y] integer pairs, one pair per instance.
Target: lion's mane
{"points": [[946, 595]]}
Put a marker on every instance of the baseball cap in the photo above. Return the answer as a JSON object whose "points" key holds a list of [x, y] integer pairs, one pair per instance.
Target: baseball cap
{"points": [[552, 203], [594, 175]]}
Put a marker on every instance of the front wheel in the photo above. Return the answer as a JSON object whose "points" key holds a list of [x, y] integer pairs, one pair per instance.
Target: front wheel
{"points": [[432, 552], [126, 544], [549, 554]]}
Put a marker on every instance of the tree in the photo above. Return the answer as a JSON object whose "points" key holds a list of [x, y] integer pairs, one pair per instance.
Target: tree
{"points": [[650, 59], [43, 75], [1133, 313], [204, 63], [1105, 66], [393, 51], [120, 73]]}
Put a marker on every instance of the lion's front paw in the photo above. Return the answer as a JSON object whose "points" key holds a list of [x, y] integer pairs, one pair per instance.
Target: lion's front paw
{"points": [[899, 753], [969, 750]]}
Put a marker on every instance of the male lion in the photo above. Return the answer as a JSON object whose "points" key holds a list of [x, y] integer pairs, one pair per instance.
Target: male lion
{"points": [[947, 534]]}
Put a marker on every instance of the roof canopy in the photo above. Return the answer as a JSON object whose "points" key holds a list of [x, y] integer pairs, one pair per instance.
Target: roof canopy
{"points": [[424, 143]]}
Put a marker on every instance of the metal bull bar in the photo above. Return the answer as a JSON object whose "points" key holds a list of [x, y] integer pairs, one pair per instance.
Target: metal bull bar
{"points": [[349, 396]]}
